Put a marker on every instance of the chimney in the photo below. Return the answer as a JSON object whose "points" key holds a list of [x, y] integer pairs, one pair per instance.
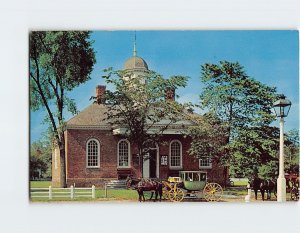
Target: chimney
{"points": [[100, 90], [170, 94]]}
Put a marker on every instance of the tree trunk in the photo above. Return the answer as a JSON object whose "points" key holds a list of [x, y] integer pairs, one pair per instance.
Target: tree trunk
{"points": [[61, 146]]}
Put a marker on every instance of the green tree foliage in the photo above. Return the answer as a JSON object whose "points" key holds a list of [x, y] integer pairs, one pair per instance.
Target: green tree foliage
{"points": [[292, 151], [244, 105], [208, 136], [254, 151], [139, 107], [234, 97], [59, 61], [40, 160], [268, 170]]}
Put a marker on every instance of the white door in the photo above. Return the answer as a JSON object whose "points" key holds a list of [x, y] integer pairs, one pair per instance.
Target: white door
{"points": [[146, 169]]}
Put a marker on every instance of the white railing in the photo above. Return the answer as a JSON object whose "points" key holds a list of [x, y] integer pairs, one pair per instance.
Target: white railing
{"points": [[71, 192]]}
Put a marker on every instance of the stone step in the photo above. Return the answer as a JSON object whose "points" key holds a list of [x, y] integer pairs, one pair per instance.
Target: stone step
{"points": [[116, 184], [116, 187], [117, 181]]}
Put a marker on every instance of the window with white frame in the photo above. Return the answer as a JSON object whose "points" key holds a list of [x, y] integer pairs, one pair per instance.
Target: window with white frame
{"points": [[123, 153], [205, 163], [175, 154], [92, 153]]}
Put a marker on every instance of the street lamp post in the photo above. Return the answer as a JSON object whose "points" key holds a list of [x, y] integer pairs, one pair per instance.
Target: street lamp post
{"points": [[282, 108]]}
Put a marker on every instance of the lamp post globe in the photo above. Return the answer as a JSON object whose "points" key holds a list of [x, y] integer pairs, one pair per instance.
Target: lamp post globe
{"points": [[282, 108]]}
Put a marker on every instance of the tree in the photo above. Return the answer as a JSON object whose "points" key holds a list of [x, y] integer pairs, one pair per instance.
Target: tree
{"points": [[138, 105], [292, 151], [40, 159], [238, 100], [207, 135], [59, 62], [255, 152]]}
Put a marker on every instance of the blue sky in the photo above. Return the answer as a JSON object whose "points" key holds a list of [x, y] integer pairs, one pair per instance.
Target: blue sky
{"points": [[268, 56]]}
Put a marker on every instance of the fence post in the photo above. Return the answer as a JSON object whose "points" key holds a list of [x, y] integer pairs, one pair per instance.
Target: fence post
{"points": [[72, 191], [248, 197], [93, 192], [50, 192], [105, 189]]}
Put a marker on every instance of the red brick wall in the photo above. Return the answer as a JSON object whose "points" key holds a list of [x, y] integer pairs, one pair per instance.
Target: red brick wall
{"points": [[189, 163], [80, 175], [77, 172]]}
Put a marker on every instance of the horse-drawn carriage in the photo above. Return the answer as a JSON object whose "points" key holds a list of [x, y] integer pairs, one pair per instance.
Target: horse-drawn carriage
{"points": [[191, 184], [292, 183]]}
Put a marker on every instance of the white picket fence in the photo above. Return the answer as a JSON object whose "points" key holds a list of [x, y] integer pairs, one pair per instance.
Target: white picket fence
{"points": [[72, 192]]}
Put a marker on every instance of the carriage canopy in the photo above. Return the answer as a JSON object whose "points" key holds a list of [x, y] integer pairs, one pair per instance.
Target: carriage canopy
{"points": [[193, 180]]}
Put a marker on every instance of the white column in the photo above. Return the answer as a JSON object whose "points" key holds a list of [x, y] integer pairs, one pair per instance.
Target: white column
{"points": [[50, 192], [72, 191], [248, 197], [281, 182], [93, 192]]}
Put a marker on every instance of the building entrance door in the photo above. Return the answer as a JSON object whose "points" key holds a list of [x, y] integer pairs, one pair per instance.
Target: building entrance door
{"points": [[150, 165]]}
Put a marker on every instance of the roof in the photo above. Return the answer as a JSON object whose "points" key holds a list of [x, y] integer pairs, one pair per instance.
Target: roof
{"points": [[135, 63], [94, 117], [91, 117]]}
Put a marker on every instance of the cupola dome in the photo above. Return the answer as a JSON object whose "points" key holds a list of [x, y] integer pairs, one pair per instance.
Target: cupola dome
{"points": [[135, 63]]}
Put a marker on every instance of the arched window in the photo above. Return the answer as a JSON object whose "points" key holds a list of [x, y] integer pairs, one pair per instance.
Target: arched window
{"points": [[175, 154], [123, 153], [92, 153]]}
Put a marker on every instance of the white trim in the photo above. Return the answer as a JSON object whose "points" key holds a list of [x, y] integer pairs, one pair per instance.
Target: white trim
{"points": [[98, 153], [129, 154], [153, 130], [175, 167], [205, 167]]}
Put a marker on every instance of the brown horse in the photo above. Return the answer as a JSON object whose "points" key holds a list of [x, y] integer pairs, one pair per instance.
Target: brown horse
{"points": [[263, 186], [142, 185]]}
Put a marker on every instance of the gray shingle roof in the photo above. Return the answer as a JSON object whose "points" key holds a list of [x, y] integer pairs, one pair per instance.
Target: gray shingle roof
{"points": [[92, 116]]}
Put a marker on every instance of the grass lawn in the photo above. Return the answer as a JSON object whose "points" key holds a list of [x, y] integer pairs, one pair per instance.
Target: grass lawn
{"points": [[118, 194], [121, 194], [124, 194], [237, 191], [40, 184], [240, 183]]}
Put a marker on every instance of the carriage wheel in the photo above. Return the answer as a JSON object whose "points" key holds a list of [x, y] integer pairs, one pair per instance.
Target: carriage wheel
{"points": [[212, 192], [294, 194], [165, 193], [176, 195]]}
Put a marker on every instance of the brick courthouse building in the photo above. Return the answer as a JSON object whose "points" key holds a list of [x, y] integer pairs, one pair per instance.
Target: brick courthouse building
{"points": [[97, 153]]}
